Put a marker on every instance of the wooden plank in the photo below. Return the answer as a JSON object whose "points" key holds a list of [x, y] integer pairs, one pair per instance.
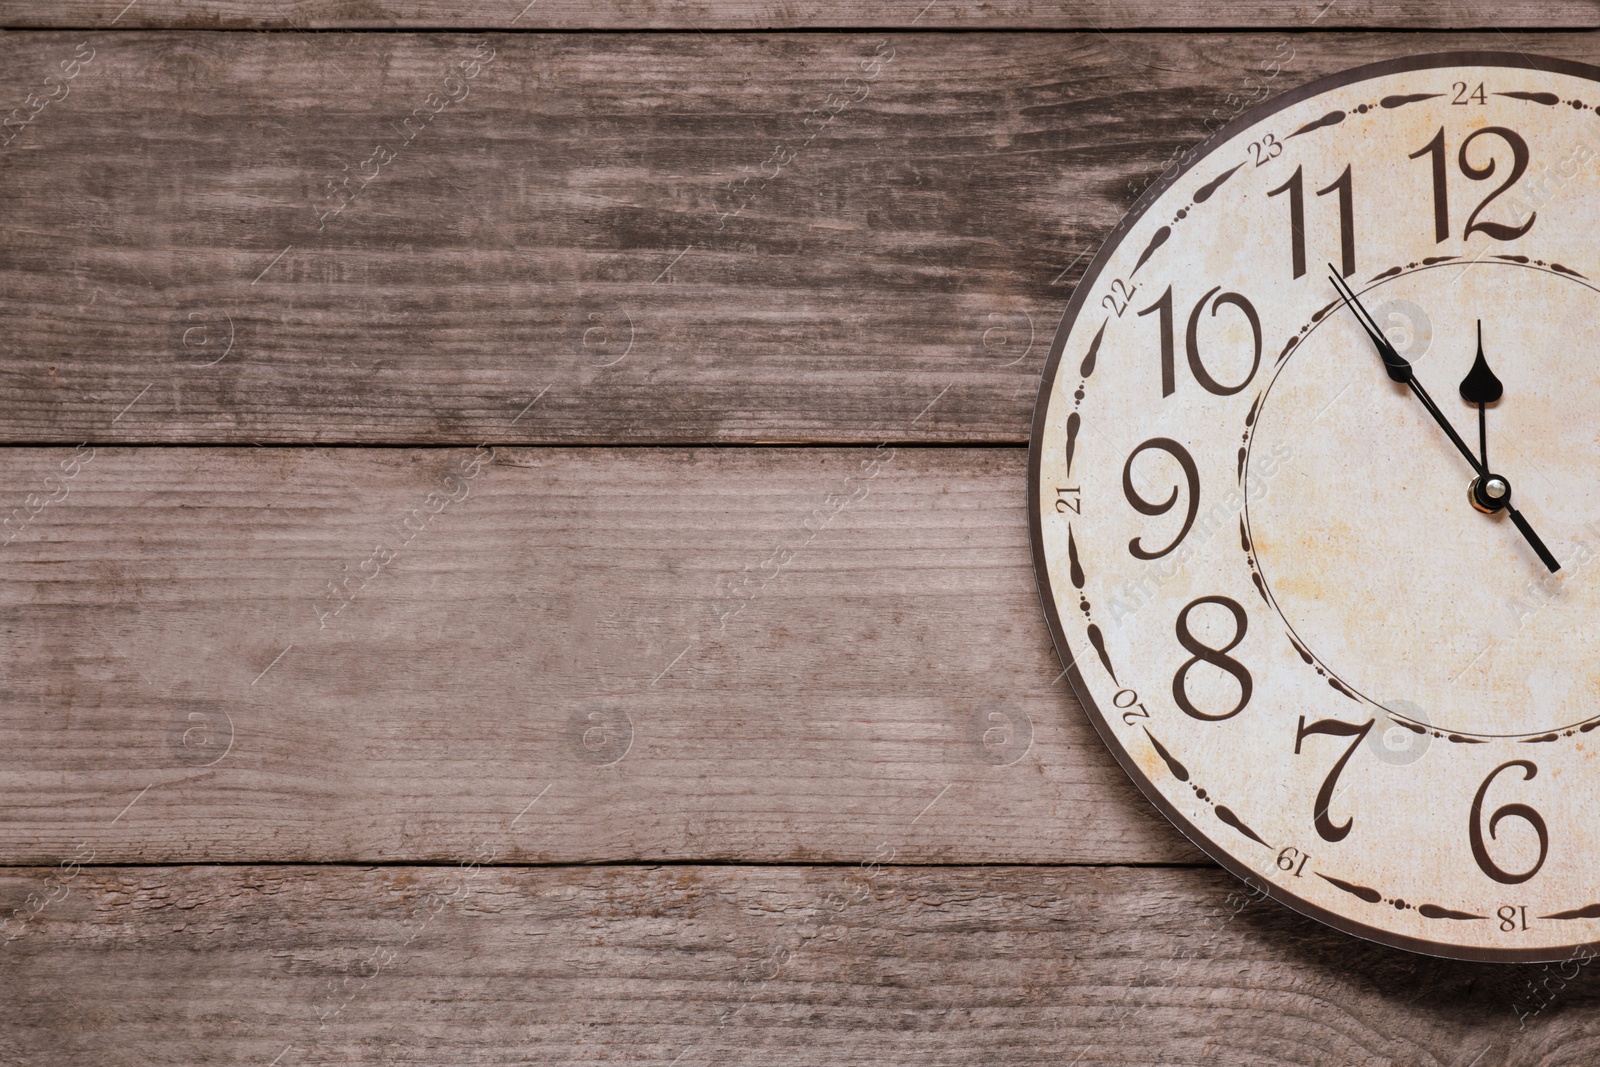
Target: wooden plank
{"points": [[590, 231], [753, 655], [817, 14], [701, 965]]}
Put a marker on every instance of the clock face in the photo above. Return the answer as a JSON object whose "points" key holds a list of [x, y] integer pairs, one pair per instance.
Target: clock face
{"points": [[1322, 635]]}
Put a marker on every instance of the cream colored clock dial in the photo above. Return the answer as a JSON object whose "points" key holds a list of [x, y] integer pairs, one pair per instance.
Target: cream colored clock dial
{"points": [[1259, 552]]}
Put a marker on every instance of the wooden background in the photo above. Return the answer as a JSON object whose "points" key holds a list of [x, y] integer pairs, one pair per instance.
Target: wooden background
{"points": [[700, 708]]}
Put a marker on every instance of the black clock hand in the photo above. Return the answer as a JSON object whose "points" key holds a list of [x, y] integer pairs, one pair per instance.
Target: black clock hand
{"points": [[1481, 387], [1489, 492], [1400, 369], [1533, 539]]}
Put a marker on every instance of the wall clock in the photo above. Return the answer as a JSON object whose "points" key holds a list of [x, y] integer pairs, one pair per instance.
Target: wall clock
{"points": [[1324, 570]]}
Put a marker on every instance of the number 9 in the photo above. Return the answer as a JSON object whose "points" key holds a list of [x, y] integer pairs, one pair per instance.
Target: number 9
{"points": [[1191, 489]]}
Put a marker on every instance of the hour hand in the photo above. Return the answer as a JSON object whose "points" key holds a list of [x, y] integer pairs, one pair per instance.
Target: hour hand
{"points": [[1481, 387]]}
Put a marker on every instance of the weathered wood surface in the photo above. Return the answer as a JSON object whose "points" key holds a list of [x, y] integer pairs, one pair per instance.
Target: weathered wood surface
{"points": [[638, 235], [815, 14], [736, 656], [749, 655], [720, 965]]}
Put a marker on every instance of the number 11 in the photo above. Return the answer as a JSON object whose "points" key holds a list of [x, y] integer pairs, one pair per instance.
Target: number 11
{"points": [[1295, 187]]}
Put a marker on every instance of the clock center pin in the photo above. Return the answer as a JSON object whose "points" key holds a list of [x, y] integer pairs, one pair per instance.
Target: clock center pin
{"points": [[1490, 493]]}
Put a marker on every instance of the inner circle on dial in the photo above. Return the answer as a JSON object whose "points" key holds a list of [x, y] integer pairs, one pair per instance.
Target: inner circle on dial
{"points": [[1367, 540]]}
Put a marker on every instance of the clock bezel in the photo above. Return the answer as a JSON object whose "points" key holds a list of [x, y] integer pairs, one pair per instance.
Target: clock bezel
{"points": [[1091, 276]]}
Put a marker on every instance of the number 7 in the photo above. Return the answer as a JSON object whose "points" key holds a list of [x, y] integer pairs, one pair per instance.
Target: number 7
{"points": [[1325, 827]]}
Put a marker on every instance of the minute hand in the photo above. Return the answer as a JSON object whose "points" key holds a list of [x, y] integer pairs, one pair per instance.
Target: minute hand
{"points": [[1400, 370]]}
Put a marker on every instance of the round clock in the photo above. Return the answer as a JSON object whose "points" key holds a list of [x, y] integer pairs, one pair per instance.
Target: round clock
{"points": [[1315, 501]]}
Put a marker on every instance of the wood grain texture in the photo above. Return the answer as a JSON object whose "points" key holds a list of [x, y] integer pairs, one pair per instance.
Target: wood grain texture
{"points": [[638, 235], [745, 655], [816, 14], [718, 965]]}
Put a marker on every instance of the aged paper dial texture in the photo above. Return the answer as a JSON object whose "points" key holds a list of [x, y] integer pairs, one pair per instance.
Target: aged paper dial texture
{"points": [[1312, 647]]}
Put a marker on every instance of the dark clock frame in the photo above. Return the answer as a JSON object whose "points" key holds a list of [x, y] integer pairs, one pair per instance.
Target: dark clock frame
{"points": [[1113, 241]]}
